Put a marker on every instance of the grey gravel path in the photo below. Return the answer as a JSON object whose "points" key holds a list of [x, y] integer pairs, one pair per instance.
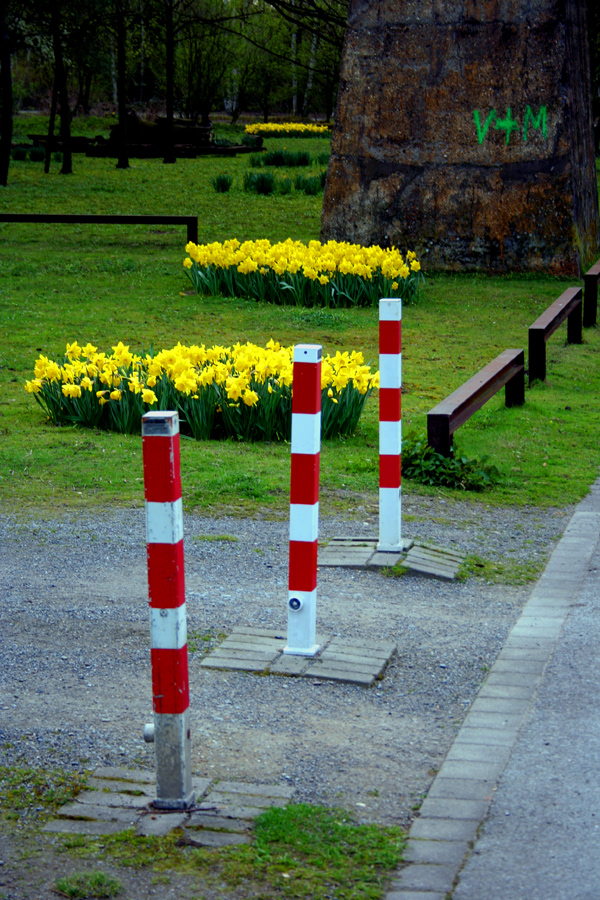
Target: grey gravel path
{"points": [[75, 668]]}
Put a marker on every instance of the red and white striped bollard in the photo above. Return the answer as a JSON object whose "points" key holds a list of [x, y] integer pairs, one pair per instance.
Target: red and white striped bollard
{"points": [[390, 425], [304, 500], [168, 630]]}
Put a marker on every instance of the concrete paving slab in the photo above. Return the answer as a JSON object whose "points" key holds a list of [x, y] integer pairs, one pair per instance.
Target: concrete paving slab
{"points": [[437, 852], [287, 664], [217, 823], [492, 720], [461, 789], [511, 705], [382, 559], [90, 827], [100, 784], [114, 773], [351, 661], [127, 817], [112, 798], [343, 675], [489, 736], [506, 691], [478, 752], [511, 679], [159, 825], [232, 812], [424, 877], [244, 665], [244, 653], [214, 839], [446, 808], [444, 829], [461, 768]]}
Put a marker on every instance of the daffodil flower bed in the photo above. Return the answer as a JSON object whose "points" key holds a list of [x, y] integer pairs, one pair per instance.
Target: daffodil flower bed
{"points": [[243, 392], [287, 129], [333, 274]]}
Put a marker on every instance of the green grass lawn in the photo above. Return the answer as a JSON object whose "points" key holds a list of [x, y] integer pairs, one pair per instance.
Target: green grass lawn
{"points": [[111, 283]]}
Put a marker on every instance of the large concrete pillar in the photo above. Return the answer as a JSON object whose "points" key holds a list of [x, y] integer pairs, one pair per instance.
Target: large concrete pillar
{"points": [[463, 131]]}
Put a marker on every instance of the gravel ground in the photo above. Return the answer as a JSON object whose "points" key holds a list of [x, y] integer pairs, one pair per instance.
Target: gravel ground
{"points": [[74, 650]]}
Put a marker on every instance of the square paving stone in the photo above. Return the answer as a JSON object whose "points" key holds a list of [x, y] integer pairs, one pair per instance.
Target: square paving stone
{"points": [[444, 829], [112, 798], [437, 852], [115, 773], [214, 839], [214, 822], [159, 825], [90, 827], [289, 665], [127, 817], [424, 876]]}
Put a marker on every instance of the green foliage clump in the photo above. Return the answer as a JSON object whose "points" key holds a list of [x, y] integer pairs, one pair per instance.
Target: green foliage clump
{"points": [[37, 154], [19, 154], [310, 184], [259, 182], [284, 185], [425, 465], [222, 183]]}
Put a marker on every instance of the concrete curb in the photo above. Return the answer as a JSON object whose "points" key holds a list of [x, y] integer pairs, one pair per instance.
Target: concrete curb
{"points": [[441, 839]]}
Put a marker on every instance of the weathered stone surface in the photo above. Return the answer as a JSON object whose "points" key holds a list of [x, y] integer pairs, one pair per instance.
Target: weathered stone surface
{"points": [[463, 131]]}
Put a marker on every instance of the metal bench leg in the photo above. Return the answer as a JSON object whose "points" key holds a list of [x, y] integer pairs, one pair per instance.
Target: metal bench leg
{"points": [[537, 355], [438, 434]]}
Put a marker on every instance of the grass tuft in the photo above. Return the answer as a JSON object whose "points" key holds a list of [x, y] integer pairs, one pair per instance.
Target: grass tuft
{"points": [[88, 886]]}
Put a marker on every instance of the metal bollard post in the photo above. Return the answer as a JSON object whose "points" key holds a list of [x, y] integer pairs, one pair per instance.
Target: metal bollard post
{"points": [[166, 588], [304, 500], [390, 425]]}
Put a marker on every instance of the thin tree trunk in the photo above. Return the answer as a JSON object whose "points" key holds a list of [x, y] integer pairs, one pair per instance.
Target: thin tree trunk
{"points": [[6, 125], [170, 65], [141, 51], [123, 158], [51, 126], [63, 94]]}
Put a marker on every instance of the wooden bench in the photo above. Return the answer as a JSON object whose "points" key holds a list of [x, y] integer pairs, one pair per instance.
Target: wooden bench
{"points": [[191, 222], [568, 306], [590, 295], [507, 370]]}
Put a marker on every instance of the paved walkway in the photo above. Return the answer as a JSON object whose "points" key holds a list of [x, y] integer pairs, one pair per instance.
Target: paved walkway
{"points": [[514, 812]]}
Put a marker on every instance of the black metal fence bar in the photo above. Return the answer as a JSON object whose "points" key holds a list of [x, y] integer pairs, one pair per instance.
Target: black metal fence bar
{"points": [[190, 222]]}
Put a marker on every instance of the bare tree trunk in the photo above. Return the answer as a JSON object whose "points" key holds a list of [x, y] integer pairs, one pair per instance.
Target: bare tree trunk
{"points": [[60, 75], [6, 125], [170, 66], [51, 127], [123, 158]]}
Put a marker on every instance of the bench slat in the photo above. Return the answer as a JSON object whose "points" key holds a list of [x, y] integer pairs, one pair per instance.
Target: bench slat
{"points": [[553, 317]]}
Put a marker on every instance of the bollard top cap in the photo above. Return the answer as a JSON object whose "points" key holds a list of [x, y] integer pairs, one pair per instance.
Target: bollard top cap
{"points": [[160, 423], [307, 353], [390, 310]]}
